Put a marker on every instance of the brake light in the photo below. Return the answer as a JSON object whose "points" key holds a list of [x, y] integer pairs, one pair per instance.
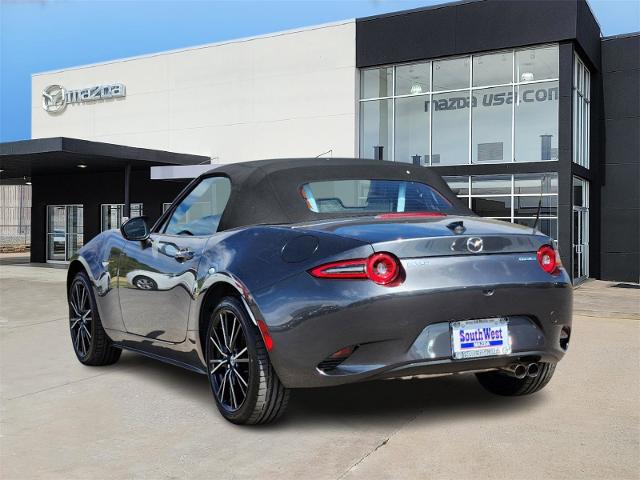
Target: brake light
{"points": [[384, 216], [382, 268], [549, 259]]}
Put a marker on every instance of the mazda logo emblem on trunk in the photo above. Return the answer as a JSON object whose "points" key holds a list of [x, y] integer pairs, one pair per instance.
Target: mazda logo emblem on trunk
{"points": [[53, 99], [474, 245]]}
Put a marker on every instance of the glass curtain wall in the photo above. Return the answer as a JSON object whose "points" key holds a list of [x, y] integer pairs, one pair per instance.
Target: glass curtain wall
{"points": [[488, 108], [512, 198]]}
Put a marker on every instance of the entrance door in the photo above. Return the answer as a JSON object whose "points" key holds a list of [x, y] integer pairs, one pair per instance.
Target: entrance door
{"points": [[64, 231], [580, 229], [580, 243]]}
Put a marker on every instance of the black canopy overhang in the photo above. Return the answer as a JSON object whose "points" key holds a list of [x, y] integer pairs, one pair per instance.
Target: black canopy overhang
{"points": [[60, 155]]}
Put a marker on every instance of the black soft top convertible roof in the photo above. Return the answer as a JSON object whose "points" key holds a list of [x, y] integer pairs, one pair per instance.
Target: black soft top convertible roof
{"points": [[267, 191]]}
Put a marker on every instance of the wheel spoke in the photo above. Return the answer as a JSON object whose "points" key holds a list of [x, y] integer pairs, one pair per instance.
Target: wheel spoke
{"points": [[223, 320], [239, 354], [221, 363], [217, 346], [77, 340], [83, 349], [87, 332], [240, 378], [222, 386], [83, 301], [233, 392], [74, 322], [232, 337]]}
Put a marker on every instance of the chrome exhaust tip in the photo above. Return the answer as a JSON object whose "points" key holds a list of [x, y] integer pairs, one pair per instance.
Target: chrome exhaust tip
{"points": [[533, 369], [518, 370]]}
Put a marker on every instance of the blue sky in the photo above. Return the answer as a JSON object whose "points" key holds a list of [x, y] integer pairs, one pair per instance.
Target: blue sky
{"points": [[41, 35]]}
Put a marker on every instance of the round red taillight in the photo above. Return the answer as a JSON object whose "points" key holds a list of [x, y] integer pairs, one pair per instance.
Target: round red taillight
{"points": [[547, 259], [383, 268]]}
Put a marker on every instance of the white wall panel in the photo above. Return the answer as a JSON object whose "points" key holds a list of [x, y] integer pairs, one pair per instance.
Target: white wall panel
{"points": [[287, 94]]}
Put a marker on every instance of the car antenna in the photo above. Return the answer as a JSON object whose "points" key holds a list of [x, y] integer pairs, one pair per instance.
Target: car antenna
{"points": [[535, 224]]}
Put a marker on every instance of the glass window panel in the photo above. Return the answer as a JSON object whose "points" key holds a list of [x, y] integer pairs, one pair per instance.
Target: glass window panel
{"points": [[413, 79], [412, 130], [376, 82], [535, 183], [536, 122], [491, 124], [537, 64], [492, 69], [368, 195], [548, 226], [579, 192], [491, 185], [450, 130], [376, 118], [112, 215], [459, 185], [200, 211], [528, 206], [492, 206], [451, 74]]}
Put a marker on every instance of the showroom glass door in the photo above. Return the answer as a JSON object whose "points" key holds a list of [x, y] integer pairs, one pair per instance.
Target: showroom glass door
{"points": [[64, 231], [580, 229]]}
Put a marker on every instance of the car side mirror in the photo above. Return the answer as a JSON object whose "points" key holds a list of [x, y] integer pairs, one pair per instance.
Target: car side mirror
{"points": [[136, 229]]}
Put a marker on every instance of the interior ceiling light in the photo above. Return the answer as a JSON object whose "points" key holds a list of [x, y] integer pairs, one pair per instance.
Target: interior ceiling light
{"points": [[27, 183], [82, 165], [527, 77], [416, 88]]}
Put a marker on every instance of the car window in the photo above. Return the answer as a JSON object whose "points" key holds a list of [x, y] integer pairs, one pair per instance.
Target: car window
{"points": [[377, 196], [200, 211]]}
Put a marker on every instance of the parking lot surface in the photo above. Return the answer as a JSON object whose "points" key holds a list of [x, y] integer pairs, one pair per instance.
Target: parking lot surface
{"points": [[143, 419]]}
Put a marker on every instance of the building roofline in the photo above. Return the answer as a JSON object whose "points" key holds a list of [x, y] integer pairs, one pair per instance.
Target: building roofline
{"points": [[89, 147], [199, 47], [418, 9], [621, 35]]}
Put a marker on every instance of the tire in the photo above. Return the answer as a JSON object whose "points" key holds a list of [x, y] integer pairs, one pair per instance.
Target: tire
{"points": [[234, 350], [143, 282], [506, 385], [90, 342]]}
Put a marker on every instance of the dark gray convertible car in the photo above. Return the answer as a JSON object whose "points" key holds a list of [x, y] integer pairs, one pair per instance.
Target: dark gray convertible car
{"points": [[272, 275]]}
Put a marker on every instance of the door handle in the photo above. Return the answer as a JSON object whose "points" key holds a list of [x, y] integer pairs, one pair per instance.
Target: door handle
{"points": [[184, 254]]}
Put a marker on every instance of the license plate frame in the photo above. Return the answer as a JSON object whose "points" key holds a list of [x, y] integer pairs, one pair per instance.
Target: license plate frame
{"points": [[480, 338]]}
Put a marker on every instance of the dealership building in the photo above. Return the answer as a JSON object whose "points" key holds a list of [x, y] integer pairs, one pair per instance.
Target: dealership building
{"points": [[523, 107]]}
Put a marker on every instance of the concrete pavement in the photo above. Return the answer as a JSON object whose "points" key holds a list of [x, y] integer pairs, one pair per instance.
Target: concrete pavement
{"points": [[144, 419]]}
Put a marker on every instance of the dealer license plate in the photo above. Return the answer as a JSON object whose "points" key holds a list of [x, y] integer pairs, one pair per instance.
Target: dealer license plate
{"points": [[480, 338]]}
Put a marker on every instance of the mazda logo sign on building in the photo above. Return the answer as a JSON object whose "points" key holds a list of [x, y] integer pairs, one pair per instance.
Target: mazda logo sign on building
{"points": [[55, 98]]}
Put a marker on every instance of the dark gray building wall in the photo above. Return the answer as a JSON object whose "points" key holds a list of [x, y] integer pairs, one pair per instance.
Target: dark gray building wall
{"points": [[620, 193], [473, 26], [91, 190]]}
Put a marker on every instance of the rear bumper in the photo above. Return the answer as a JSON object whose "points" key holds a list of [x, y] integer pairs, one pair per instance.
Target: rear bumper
{"points": [[405, 330]]}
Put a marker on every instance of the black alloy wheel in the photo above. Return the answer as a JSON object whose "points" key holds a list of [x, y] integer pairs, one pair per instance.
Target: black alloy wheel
{"points": [[228, 360], [90, 342], [245, 386]]}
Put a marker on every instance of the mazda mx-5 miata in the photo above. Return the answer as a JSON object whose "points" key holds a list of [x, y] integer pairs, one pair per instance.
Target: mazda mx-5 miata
{"points": [[319, 272]]}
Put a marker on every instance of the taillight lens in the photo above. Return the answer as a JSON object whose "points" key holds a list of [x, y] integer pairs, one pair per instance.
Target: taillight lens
{"points": [[549, 259], [382, 268]]}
